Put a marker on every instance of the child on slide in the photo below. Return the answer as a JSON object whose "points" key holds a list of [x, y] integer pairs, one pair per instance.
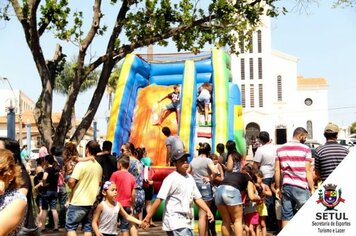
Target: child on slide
{"points": [[171, 107], [204, 98]]}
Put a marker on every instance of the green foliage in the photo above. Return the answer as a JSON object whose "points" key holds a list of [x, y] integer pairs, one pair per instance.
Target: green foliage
{"points": [[65, 78], [353, 128], [4, 15], [209, 24], [344, 3]]}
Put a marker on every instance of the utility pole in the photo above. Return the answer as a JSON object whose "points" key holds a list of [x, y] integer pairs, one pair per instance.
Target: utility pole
{"points": [[11, 116], [20, 119], [11, 121]]}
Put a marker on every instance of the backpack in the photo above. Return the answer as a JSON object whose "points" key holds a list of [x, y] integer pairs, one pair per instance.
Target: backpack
{"points": [[60, 179], [147, 175]]}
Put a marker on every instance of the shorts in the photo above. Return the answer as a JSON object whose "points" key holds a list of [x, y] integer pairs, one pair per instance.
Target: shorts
{"points": [[205, 191], [173, 106], [252, 218], [204, 99], [49, 198], [292, 196], [77, 215], [139, 201], [228, 195], [124, 224], [181, 232], [148, 193]]}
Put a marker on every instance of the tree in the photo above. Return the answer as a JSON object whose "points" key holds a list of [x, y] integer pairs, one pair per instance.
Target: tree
{"points": [[345, 3], [353, 128], [112, 83], [64, 81], [190, 24]]}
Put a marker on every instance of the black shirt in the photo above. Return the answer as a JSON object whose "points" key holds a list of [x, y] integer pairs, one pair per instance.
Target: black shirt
{"points": [[108, 163], [52, 179], [237, 180]]}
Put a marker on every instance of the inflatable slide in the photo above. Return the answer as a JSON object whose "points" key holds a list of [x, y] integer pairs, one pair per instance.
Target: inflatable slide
{"points": [[143, 83]]}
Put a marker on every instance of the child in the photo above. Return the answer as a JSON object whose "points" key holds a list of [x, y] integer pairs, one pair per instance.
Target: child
{"points": [[173, 106], [263, 191], [147, 174], [105, 216], [126, 184], [179, 191], [203, 99], [250, 210]]}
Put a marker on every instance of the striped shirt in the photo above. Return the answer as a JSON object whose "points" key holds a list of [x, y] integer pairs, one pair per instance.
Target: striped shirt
{"points": [[292, 158], [328, 157]]}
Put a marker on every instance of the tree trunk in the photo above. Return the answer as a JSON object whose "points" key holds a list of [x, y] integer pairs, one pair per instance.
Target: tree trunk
{"points": [[95, 101]]}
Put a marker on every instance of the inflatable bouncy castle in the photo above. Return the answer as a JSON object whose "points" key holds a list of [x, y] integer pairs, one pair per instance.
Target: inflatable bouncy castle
{"points": [[144, 82]]}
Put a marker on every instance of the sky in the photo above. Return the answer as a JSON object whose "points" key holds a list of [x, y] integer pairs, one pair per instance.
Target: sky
{"points": [[321, 37]]}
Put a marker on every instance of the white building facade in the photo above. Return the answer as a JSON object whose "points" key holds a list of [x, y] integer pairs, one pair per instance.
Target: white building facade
{"points": [[274, 98]]}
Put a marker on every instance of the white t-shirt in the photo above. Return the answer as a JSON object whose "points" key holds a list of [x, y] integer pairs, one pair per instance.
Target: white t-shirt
{"points": [[266, 155], [178, 191]]}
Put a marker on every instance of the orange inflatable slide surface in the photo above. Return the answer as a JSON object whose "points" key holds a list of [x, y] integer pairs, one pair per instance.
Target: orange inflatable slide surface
{"points": [[147, 111]]}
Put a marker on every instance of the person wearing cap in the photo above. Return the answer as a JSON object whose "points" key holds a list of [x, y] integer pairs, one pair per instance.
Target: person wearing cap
{"points": [[293, 167], [264, 161], [179, 191], [329, 155]]}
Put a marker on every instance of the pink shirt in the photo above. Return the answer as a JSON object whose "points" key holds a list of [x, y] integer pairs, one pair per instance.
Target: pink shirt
{"points": [[42, 152], [292, 157]]}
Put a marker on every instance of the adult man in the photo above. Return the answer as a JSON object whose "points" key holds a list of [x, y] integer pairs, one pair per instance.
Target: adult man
{"points": [[173, 143], [294, 161], [85, 184], [264, 160], [107, 161], [329, 155]]}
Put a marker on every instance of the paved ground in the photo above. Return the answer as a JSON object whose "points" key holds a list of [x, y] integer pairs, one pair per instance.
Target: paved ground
{"points": [[153, 231]]}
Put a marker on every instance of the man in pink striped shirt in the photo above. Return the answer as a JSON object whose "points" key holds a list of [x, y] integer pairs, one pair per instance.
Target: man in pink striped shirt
{"points": [[293, 167]]}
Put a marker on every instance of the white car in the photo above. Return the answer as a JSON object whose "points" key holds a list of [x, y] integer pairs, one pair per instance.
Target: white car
{"points": [[34, 153]]}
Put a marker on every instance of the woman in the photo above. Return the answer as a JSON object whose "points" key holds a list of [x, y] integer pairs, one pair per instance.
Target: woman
{"points": [[234, 158], [50, 193], [203, 171], [12, 200], [229, 201], [70, 157], [135, 169], [29, 227]]}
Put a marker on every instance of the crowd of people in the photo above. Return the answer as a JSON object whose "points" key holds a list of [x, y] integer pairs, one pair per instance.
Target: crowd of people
{"points": [[105, 190]]}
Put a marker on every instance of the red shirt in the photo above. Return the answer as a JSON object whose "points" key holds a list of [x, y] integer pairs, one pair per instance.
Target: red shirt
{"points": [[125, 184]]}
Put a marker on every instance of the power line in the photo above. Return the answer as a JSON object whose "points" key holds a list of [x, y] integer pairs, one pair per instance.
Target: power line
{"points": [[339, 108]]}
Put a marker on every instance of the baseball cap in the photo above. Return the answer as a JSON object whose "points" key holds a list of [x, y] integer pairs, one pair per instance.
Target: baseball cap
{"points": [[331, 128], [264, 136], [178, 154]]}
